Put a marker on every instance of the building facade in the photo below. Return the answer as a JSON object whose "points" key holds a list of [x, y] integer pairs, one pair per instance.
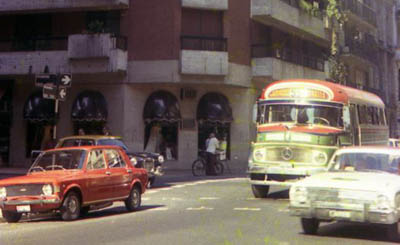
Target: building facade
{"points": [[164, 73]]}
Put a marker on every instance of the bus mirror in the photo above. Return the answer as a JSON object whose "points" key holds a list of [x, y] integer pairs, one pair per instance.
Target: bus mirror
{"points": [[255, 112]]}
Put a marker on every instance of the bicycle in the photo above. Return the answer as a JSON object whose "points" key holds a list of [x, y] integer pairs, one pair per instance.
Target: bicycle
{"points": [[199, 165]]}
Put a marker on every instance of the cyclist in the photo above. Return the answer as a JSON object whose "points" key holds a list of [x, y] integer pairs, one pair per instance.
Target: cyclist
{"points": [[212, 145]]}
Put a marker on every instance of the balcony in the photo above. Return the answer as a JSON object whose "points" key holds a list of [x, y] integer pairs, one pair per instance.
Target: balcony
{"points": [[8, 6], [366, 49], [285, 63], [360, 11], [204, 55], [206, 4], [79, 54], [287, 15]]}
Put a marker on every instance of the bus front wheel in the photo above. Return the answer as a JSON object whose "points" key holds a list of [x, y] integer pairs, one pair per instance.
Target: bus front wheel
{"points": [[260, 191]]}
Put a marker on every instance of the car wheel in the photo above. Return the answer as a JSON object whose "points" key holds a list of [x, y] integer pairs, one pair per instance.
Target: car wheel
{"points": [[71, 207], [150, 183], [134, 200], [392, 232], [11, 217], [84, 211], [310, 226], [260, 191]]}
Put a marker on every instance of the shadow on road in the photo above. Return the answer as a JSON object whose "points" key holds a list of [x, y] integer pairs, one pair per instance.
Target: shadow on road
{"points": [[370, 232]]}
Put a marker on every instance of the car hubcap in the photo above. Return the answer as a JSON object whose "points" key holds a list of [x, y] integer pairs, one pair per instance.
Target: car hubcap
{"points": [[135, 199], [72, 205]]}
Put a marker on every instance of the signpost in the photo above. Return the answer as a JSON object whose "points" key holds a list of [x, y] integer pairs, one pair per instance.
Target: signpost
{"points": [[55, 88]]}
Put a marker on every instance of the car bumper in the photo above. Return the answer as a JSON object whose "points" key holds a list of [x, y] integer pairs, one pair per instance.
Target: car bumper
{"points": [[36, 204], [331, 214]]}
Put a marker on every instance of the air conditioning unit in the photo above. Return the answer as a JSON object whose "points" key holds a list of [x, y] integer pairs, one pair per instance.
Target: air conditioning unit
{"points": [[188, 93]]}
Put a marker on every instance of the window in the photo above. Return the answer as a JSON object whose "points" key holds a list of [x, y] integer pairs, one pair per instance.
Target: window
{"points": [[114, 159], [96, 160], [381, 117], [77, 142]]}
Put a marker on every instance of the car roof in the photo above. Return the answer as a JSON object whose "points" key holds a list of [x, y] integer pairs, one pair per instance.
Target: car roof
{"points": [[369, 149], [93, 137], [86, 147]]}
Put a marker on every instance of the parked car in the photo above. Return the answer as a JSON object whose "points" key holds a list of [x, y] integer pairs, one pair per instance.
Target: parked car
{"points": [[73, 180], [152, 162], [361, 185]]}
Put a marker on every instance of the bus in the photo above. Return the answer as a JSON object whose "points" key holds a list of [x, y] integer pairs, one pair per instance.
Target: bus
{"points": [[300, 123]]}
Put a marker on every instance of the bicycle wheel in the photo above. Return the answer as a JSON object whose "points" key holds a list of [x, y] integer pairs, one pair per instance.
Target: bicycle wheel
{"points": [[198, 168], [219, 168]]}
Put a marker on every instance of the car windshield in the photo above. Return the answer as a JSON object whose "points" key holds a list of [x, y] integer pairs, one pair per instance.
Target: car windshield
{"points": [[59, 160], [302, 114], [366, 162], [76, 142], [116, 142]]}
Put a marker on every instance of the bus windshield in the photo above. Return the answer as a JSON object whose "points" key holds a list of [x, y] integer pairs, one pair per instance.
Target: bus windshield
{"points": [[300, 114]]}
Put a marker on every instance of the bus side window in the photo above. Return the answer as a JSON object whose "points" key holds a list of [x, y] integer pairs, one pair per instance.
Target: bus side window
{"points": [[346, 118], [381, 117]]}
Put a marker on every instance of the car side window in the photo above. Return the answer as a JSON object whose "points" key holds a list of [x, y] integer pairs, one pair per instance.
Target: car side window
{"points": [[96, 160], [114, 159]]}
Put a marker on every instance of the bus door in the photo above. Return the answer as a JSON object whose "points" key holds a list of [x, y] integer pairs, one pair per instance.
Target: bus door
{"points": [[355, 127]]}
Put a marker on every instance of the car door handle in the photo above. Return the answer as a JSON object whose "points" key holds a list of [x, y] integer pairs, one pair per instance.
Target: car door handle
{"points": [[108, 173], [129, 170]]}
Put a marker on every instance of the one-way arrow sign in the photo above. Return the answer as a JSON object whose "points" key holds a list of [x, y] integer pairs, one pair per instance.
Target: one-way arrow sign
{"points": [[65, 80], [62, 94]]}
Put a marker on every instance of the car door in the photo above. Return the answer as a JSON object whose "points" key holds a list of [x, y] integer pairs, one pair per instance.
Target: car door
{"points": [[98, 181], [120, 176]]}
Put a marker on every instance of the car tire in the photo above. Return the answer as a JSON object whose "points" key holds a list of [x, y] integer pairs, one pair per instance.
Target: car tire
{"points": [[11, 217], [310, 226], [71, 207], [260, 191], [150, 183], [134, 200]]}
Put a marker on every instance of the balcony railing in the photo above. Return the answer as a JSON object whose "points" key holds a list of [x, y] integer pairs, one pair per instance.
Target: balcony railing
{"points": [[316, 12], [289, 55], [361, 10], [366, 49], [204, 43], [34, 44]]}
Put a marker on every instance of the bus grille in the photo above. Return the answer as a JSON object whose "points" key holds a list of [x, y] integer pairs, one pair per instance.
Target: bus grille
{"points": [[297, 154]]}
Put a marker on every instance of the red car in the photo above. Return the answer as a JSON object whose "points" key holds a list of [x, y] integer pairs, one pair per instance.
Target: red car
{"points": [[72, 181]]}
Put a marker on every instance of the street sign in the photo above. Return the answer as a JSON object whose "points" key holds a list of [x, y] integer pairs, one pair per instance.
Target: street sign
{"points": [[49, 92], [45, 79], [62, 93], [65, 80]]}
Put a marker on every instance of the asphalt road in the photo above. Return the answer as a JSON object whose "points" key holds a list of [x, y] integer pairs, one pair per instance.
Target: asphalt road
{"points": [[208, 211]]}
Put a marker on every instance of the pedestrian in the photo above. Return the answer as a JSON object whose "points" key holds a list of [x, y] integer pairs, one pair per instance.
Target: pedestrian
{"points": [[212, 146], [81, 131], [106, 130]]}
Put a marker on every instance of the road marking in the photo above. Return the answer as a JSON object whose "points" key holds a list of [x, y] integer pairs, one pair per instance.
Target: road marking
{"points": [[209, 198], [251, 198], [283, 210], [159, 209], [247, 209], [200, 208]]}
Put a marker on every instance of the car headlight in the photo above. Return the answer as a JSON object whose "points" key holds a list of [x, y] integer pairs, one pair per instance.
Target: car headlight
{"points": [[47, 189], [319, 157], [133, 161], [259, 154], [160, 158], [298, 194], [382, 202], [3, 192]]}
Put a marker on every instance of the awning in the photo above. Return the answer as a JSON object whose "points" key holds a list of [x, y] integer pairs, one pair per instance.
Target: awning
{"points": [[161, 106], [37, 108], [214, 107], [89, 106]]}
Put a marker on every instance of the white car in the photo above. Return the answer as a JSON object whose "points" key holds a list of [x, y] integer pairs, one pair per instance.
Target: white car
{"points": [[362, 185]]}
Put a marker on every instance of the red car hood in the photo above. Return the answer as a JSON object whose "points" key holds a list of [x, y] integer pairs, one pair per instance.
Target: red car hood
{"points": [[41, 177], [316, 129]]}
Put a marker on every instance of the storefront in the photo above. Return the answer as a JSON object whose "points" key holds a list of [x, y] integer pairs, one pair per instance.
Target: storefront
{"points": [[161, 115]]}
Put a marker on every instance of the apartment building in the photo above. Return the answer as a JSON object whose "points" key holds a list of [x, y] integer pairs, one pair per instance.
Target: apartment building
{"points": [[161, 73]]}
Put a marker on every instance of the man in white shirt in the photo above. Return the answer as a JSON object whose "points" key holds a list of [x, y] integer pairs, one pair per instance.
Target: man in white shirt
{"points": [[212, 145]]}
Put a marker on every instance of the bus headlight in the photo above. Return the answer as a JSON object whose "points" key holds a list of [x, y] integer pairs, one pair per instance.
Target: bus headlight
{"points": [[319, 157], [3, 192], [47, 190], [259, 154]]}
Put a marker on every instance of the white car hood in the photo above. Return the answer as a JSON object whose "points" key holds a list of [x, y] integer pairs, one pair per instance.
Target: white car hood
{"points": [[365, 181]]}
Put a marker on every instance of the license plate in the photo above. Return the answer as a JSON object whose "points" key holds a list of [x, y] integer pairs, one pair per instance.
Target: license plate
{"points": [[24, 208], [339, 214]]}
